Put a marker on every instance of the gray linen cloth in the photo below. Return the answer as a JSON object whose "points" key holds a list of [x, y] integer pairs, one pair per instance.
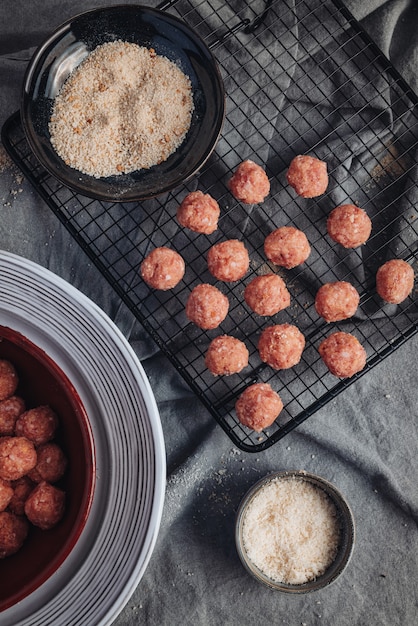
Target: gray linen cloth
{"points": [[365, 441]]}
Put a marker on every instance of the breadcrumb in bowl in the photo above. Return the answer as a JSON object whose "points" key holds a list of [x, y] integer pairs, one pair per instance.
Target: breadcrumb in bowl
{"points": [[165, 36], [294, 532]]}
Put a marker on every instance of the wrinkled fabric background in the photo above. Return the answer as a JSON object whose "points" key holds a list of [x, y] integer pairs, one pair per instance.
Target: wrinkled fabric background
{"points": [[365, 441]]}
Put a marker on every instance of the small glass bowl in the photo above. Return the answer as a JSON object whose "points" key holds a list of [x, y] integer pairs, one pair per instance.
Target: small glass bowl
{"points": [[347, 533]]}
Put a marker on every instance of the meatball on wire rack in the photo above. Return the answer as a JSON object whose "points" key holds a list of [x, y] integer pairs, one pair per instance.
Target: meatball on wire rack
{"points": [[301, 80]]}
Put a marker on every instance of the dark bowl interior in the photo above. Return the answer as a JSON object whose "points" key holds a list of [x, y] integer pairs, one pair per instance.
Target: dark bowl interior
{"points": [[41, 381], [169, 36]]}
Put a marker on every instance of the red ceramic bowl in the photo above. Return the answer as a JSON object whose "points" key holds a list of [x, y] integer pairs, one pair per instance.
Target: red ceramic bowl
{"points": [[42, 382]]}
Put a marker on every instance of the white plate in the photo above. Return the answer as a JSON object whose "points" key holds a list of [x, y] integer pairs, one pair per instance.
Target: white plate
{"points": [[98, 578]]}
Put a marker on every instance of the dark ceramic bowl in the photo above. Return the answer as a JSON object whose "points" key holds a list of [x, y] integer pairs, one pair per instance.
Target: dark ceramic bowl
{"points": [[346, 540], [42, 382], [152, 28]]}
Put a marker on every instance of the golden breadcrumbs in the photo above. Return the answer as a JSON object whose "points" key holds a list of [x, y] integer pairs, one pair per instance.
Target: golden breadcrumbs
{"points": [[124, 108]]}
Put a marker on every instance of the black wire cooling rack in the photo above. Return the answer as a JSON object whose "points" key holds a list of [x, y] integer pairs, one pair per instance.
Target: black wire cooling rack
{"points": [[300, 76]]}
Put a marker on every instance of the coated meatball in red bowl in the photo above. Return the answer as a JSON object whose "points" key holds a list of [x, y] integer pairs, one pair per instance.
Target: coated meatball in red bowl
{"points": [[47, 467]]}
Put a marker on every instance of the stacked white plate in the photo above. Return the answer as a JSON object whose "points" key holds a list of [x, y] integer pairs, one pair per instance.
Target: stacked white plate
{"points": [[98, 578]]}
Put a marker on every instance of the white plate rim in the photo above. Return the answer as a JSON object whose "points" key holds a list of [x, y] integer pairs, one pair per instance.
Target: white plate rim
{"points": [[20, 278]]}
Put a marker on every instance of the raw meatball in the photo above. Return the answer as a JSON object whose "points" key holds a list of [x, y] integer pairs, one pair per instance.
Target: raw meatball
{"points": [[199, 212], [258, 406], [349, 225], [51, 464], [228, 260], [206, 306], [8, 379], [45, 506], [287, 247], [267, 294], [281, 346], [6, 493], [38, 424], [394, 281], [13, 532], [17, 457], [163, 268], [226, 355], [10, 409], [249, 183], [308, 176], [343, 354], [21, 490], [337, 301]]}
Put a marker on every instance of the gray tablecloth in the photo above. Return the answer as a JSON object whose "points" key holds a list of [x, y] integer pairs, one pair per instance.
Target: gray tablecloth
{"points": [[365, 441]]}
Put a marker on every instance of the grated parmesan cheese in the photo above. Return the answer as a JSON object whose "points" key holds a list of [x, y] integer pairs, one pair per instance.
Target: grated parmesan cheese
{"points": [[124, 108], [291, 531]]}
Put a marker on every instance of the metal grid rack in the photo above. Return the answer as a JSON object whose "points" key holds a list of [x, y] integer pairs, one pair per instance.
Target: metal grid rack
{"points": [[300, 76]]}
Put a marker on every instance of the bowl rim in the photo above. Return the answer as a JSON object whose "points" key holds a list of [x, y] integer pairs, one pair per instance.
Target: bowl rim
{"points": [[21, 341], [106, 194], [345, 551]]}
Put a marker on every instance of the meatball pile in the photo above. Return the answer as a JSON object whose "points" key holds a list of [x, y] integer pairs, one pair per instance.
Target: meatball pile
{"points": [[280, 346], [31, 463]]}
